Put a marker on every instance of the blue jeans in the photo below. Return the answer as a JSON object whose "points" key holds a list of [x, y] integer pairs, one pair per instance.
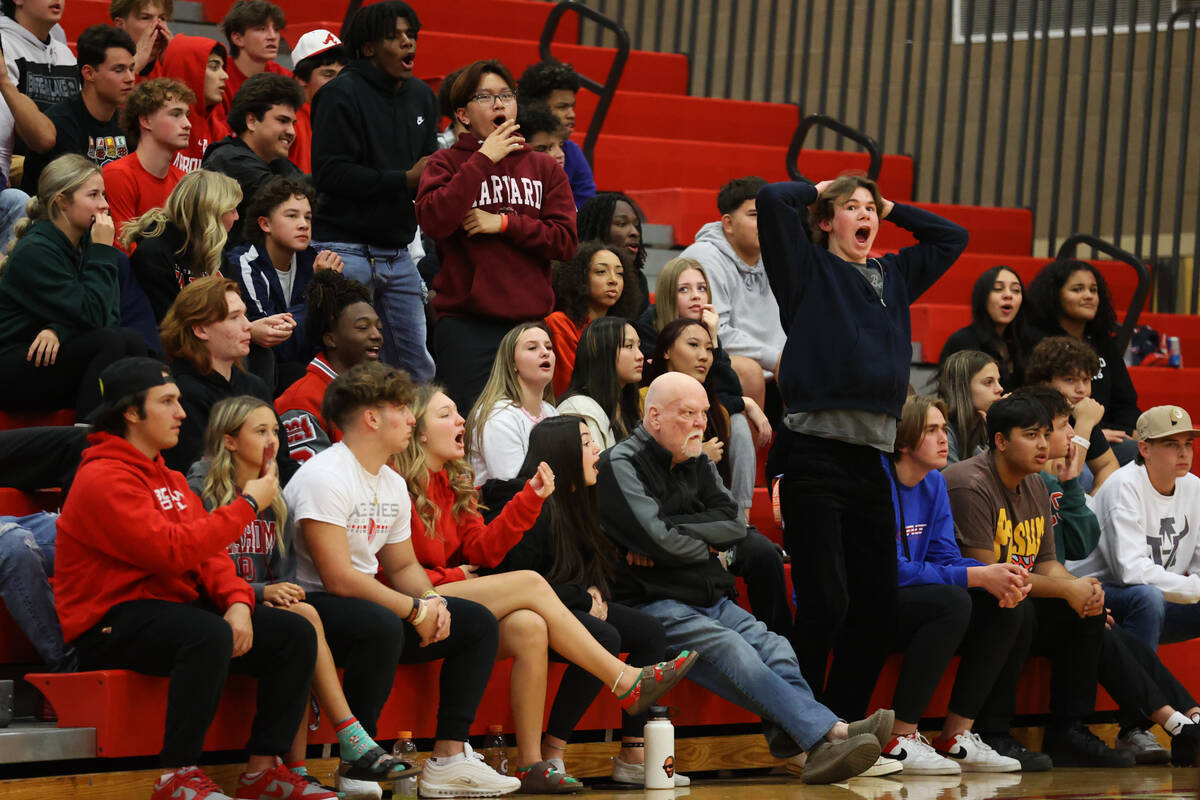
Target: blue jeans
{"points": [[1142, 610], [398, 294], [26, 561], [744, 663], [12, 208]]}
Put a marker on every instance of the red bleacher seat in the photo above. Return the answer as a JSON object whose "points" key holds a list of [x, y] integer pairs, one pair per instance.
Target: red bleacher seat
{"points": [[82, 14]]}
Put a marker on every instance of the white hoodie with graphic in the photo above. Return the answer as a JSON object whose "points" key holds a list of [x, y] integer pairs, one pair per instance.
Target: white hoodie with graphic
{"points": [[1147, 537]]}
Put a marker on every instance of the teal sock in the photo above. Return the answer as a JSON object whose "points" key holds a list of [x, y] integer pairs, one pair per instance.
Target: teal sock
{"points": [[299, 769], [353, 739]]}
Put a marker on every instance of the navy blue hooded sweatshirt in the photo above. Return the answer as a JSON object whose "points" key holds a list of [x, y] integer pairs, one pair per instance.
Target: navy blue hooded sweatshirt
{"points": [[846, 348]]}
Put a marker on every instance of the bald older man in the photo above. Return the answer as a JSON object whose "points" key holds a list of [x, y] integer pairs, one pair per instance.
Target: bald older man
{"points": [[664, 504]]}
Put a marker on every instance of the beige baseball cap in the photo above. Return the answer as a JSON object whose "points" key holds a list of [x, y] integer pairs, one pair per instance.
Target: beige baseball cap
{"points": [[1163, 421]]}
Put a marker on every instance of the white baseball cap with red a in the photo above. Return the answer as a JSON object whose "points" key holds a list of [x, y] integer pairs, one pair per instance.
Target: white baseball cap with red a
{"points": [[314, 43]]}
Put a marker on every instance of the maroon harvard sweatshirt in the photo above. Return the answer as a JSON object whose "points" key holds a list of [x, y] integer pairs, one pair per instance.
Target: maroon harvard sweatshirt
{"points": [[504, 276]]}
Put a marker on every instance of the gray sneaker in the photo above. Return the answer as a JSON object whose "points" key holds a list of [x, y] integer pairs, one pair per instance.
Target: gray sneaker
{"points": [[832, 762], [878, 725], [1143, 745]]}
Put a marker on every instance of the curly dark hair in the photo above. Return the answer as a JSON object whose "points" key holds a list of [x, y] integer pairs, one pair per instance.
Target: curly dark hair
{"points": [[377, 22], [570, 282], [1045, 306], [534, 120], [539, 80], [594, 220], [1061, 357], [329, 294], [259, 93], [276, 191]]}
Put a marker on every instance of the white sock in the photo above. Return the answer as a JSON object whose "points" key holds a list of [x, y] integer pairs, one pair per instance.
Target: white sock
{"points": [[1175, 722], [454, 759], [1196, 718]]}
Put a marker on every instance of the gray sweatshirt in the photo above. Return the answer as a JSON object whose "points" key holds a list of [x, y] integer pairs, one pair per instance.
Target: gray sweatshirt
{"points": [[749, 316]]}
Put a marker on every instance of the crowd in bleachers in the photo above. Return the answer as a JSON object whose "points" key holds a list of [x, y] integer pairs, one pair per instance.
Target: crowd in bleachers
{"points": [[427, 407]]}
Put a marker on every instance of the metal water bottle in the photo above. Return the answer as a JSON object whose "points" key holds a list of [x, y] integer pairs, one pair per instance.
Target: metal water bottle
{"points": [[660, 749]]}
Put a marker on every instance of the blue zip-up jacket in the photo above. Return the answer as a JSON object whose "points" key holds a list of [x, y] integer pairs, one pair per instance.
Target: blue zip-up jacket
{"points": [[263, 293], [846, 349], [932, 551]]}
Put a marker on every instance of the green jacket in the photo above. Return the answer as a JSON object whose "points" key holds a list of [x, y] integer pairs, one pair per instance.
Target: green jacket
{"points": [[49, 283], [1076, 529]]}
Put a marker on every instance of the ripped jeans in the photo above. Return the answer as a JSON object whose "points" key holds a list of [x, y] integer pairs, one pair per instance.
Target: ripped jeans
{"points": [[26, 561]]}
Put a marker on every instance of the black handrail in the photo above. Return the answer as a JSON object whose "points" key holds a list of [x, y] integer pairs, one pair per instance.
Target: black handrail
{"points": [[609, 87], [1067, 250], [812, 121]]}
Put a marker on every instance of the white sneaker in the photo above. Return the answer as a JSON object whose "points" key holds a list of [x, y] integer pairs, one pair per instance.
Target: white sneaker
{"points": [[974, 755], [468, 777], [882, 766], [918, 757], [624, 772], [357, 790]]}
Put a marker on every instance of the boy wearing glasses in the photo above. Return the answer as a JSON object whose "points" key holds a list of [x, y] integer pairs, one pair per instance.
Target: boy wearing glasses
{"points": [[373, 126], [499, 213], [1149, 552]]}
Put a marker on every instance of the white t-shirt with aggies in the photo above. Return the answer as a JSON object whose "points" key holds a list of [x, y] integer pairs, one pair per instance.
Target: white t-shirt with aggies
{"points": [[333, 487], [1147, 537]]}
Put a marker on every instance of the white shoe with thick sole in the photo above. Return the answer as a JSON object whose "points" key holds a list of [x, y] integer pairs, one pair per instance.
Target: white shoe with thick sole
{"points": [[357, 790], [624, 772], [917, 756], [973, 754], [468, 777], [883, 766]]}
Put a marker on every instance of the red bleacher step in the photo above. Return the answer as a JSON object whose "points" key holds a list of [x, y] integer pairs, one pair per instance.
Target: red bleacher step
{"points": [[11, 420], [520, 19], [708, 119], [440, 53], [696, 169], [128, 709], [82, 14], [993, 230]]}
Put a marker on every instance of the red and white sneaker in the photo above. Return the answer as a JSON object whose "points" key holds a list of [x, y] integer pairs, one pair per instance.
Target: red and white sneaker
{"points": [[280, 783], [188, 783]]}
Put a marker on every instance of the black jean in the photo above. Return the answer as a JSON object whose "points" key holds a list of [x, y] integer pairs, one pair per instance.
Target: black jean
{"points": [[368, 641], [73, 380], [628, 629], [193, 645], [1137, 680], [937, 620], [759, 563], [42, 457], [464, 349], [1050, 627], [840, 530]]}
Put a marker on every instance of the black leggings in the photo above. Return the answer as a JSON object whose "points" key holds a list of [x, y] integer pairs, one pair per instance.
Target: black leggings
{"points": [[840, 529], [1050, 627], [73, 380], [636, 632], [1137, 680], [464, 350], [193, 645], [368, 641], [936, 620]]}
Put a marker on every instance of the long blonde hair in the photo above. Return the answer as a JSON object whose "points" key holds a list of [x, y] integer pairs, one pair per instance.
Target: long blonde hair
{"points": [[195, 206], [62, 176], [220, 486], [666, 289], [502, 384], [413, 465]]}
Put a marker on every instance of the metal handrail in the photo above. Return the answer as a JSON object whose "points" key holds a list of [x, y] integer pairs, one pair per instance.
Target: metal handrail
{"points": [[609, 87], [1067, 250], [814, 120]]}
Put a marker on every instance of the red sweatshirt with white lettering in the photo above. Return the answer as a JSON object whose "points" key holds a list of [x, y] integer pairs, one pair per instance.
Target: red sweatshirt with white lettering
{"points": [[131, 529], [503, 276]]}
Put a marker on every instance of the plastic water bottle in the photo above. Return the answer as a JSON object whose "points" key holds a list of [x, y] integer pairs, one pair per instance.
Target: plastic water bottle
{"points": [[660, 749], [405, 749], [495, 753]]}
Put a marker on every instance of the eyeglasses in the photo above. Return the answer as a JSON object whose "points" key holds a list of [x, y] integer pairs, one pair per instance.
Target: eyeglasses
{"points": [[487, 99]]}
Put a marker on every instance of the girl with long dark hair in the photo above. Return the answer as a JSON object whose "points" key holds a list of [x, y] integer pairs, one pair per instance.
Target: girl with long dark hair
{"points": [[997, 324], [604, 384], [968, 383]]}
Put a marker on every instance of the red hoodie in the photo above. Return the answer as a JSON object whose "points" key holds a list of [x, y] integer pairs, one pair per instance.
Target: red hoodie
{"points": [[131, 529], [469, 540], [504, 276], [186, 60]]}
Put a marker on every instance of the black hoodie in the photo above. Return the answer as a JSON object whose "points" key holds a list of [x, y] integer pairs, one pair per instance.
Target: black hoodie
{"points": [[233, 157], [367, 132]]}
